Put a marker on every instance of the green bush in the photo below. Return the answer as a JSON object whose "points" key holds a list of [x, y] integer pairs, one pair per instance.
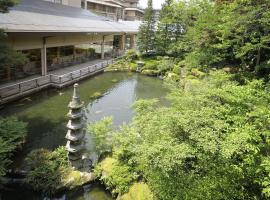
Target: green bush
{"points": [[211, 143], [165, 65], [149, 72], [132, 66], [101, 133], [130, 55], [117, 176], [12, 134], [150, 64], [47, 169], [138, 191]]}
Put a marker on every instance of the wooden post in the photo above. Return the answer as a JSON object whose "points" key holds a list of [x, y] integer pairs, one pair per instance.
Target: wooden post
{"points": [[8, 73], [74, 53], [44, 58], [58, 54], [132, 41], [102, 47], [123, 42]]}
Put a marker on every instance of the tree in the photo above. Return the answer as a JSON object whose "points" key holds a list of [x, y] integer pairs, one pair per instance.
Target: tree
{"points": [[5, 4], [165, 28], [211, 143], [146, 33], [12, 131], [8, 56]]}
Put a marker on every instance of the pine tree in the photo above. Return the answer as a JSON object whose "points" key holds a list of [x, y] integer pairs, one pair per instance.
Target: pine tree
{"points": [[163, 35], [146, 35]]}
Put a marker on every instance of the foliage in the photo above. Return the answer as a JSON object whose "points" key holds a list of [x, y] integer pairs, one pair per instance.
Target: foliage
{"points": [[8, 56], [212, 143], [117, 176], [126, 63], [130, 55], [96, 95], [5, 4], [216, 33], [165, 65], [138, 191], [12, 133], [147, 30], [47, 169], [101, 133], [174, 19]]}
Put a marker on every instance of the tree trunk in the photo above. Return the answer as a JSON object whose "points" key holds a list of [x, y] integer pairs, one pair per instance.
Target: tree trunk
{"points": [[8, 74], [258, 56]]}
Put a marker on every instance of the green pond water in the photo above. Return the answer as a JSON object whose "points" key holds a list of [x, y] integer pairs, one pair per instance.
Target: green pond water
{"points": [[45, 112]]}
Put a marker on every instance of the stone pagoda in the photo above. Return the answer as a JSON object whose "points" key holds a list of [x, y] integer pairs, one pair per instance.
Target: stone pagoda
{"points": [[76, 131]]}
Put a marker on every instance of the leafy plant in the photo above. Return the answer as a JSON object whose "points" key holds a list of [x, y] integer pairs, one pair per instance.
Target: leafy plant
{"points": [[12, 134], [47, 169], [101, 133], [208, 145]]}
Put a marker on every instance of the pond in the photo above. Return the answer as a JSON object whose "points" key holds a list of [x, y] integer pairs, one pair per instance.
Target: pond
{"points": [[45, 112]]}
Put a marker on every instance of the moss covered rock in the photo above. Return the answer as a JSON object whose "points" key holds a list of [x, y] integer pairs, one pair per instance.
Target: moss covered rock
{"points": [[74, 179], [96, 95], [138, 191], [149, 72]]}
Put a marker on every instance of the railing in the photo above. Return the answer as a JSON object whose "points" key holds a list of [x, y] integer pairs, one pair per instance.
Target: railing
{"points": [[24, 86], [19, 89]]}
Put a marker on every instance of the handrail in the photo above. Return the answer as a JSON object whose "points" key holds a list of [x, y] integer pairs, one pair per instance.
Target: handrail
{"points": [[20, 83], [25, 86]]}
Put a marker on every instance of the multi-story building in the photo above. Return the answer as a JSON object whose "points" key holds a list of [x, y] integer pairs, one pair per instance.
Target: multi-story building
{"points": [[59, 33], [74, 3], [127, 10]]}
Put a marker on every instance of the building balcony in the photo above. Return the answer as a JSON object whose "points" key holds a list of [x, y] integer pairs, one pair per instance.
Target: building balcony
{"points": [[112, 16]]}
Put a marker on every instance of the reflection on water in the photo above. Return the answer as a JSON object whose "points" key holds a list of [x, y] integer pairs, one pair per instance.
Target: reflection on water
{"points": [[45, 112]]}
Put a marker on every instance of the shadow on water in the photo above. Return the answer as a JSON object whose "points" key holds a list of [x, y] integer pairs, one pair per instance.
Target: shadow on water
{"points": [[42, 133], [45, 112]]}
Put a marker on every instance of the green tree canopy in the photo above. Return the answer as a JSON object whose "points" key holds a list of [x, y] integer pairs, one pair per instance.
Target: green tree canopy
{"points": [[146, 33], [6, 4], [8, 56]]}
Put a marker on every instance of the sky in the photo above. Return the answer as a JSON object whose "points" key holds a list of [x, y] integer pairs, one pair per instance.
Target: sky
{"points": [[156, 3]]}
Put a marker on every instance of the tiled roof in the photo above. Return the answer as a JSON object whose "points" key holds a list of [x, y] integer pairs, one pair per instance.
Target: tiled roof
{"points": [[42, 16]]}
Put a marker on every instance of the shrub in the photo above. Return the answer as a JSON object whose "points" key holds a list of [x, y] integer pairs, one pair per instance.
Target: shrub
{"points": [[165, 65], [47, 169], [117, 176], [211, 143], [12, 133], [130, 55], [138, 191], [149, 72], [101, 133]]}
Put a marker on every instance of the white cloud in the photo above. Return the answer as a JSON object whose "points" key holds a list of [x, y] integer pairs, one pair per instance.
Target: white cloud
{"points": [[156, 3]]}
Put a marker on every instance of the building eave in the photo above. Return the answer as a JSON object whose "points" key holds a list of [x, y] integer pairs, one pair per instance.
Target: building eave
{"points": [[26, 19], [134, 9], [104, 3]]}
